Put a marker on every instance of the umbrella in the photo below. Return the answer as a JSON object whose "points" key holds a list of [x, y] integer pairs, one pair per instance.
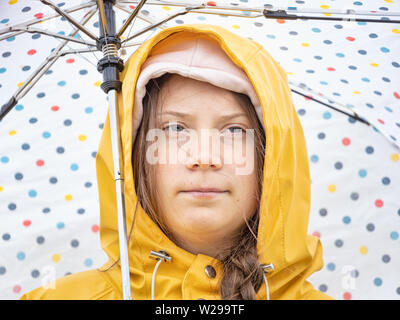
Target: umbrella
{"points": [[347, 63]]}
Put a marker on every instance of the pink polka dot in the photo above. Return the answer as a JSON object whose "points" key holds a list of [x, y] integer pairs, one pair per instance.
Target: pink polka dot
{"points": [[350, 38], [95, 228], [346, 141], [397, 95], [379, 203], [26, 223], [381, 121], [71, 60], [347, 296], [316, 234], [331, 69], [31, 52], [38, 15], [17, 289], [55, 108], [40, 163]]}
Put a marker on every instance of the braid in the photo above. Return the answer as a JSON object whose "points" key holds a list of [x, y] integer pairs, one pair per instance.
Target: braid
{"points": [[243, 275]]}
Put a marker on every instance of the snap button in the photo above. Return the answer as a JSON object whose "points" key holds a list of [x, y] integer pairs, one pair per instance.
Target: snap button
{"points": [[210, 271]]}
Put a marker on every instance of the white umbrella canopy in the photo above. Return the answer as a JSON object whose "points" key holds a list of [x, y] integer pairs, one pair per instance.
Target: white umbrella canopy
{"points": [[48, 194]]}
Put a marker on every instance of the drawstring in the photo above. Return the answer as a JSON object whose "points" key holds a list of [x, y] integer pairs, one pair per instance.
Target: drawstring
{"points": [[267, 268], [160, 256]]}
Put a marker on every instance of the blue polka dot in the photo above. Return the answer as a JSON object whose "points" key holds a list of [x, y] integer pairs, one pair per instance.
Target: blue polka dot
{"points": [[340, 55], [74, 167], [365, 79], [60, 225], [32, 193], [62, 83], [385, 181], [6, 237], [88, 184], [369, 150], [5, 20], [314, 158], [5, 159], [46, 210], [270, 36], [373, 35], [46, 134], [40, 95], [363, 52], [80, 211], [331, 266], [323, 83], [378, 282], [83, 72], [316, 29], [362, 173], [88, 109], [394, 235], [36, 36], [385, 50], [25, 146], [2, 70], [201, 18], [19, 107], [75, 96], [26, 68], [88, 262], [12, 206], [327, 115], [67, 122], [11, 39], [20, 255], [346, 219]]}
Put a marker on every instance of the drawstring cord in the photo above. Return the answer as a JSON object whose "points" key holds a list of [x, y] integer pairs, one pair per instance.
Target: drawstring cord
{"points": [[160, 256], [267, 268]]}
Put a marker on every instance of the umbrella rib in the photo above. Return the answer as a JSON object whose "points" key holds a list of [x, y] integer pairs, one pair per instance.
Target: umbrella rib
{"points": [[69, 18], [21, 30], [148, 20], [40, 71], [47, 17], [130, 18], [187, 10]]}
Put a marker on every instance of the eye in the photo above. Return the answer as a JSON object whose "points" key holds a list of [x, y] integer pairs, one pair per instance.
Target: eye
{"points": [[235, 130], [174, 127]]}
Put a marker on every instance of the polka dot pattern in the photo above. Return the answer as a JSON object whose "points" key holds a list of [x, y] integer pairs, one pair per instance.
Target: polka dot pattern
{"points": [[48, 192]]}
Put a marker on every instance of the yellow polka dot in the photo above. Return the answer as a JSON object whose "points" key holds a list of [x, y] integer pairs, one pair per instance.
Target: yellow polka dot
{"points": [[331, 188], [82, 137], [56, 258], [327, 14], [166, 8], [12, 1], [356, 92], [373, 64], [97, 84], [1, 188], [20, 84], [389, 1], [68, 197], [235, 26], [395, 157], [363, 250], [305, 44], [290, 73], [12, 132], [396, 31], [325, 6]]}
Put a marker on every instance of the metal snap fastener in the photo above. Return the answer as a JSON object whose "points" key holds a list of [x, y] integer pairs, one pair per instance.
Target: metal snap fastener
{"points": [[210, 271]]}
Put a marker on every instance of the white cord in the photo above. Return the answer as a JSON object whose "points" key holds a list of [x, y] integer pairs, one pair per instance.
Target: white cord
{"points": [[153, 282]]}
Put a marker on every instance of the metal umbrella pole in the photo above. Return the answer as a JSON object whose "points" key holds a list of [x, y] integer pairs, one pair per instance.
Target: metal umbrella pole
{"points": [[110, 66]]}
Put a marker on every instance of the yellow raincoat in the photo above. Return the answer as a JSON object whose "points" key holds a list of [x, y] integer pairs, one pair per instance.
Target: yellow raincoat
{"points": [[285, 202]]}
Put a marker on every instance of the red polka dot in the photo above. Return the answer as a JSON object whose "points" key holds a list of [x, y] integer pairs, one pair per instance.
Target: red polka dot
{"points": [[346, 141], [40, 163], [331, 69], [308, 98], [381, 121], [350, 38], [281, 21], [31, 52], [17, 289], [379, 203], [26, 223], [38, 15], [347, 296], [55, 108], [95, 228], [397, 95], [71, 60], [211, 3], [316, 234], [132, 7]]}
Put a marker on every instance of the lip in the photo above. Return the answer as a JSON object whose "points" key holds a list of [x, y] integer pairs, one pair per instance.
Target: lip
{"points": [[204, 193]]}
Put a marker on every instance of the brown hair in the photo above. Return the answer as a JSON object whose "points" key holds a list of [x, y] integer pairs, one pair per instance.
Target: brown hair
{"points": [[243, 274]]}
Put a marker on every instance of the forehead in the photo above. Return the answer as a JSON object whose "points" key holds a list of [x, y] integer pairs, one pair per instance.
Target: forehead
{"points": [[187, 94]]}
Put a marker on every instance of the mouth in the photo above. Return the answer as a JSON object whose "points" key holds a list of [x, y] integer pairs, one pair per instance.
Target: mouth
{"points": [[204, 193]]}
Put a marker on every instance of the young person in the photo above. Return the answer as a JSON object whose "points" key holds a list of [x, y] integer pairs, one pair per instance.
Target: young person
{"points": [[216, 177]]}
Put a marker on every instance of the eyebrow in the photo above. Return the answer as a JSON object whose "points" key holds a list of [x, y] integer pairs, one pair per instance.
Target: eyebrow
{"points": [[188, 115]]}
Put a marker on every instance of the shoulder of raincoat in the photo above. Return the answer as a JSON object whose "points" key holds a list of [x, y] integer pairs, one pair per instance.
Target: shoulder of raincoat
{"points": [[284, 208]]}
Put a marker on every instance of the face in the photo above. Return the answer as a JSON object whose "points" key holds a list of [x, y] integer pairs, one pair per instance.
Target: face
{"points": [[207, 194]]}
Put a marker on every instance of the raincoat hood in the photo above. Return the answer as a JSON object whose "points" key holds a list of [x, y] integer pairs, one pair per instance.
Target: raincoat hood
{"points": [[284, 207], [285, 201]]}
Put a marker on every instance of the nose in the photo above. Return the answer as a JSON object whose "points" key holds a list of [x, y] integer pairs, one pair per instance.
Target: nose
{"points": [[204, 152]]}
